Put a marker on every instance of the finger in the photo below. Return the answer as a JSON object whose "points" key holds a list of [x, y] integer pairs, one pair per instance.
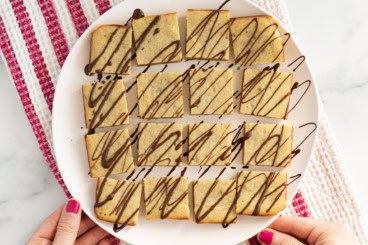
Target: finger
{"points": [[331, 233], [92, 236], [85, 225], [39, 241], [298, 226], [105, 241], [67, 228], [47, 229], [272, 237]]}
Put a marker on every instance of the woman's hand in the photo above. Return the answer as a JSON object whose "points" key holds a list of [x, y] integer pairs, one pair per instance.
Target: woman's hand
{"points": [[298, 231], [67, 226]]}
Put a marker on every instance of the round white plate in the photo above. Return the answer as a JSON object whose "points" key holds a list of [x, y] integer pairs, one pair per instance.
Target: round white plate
{"points": [[69, 131]]}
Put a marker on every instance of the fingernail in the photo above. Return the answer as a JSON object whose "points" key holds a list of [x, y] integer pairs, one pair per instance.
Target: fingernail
{"points": [[265, 237], [72, 206]]}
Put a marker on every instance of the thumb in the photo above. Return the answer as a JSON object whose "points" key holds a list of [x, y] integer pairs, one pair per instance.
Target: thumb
{"points": [[272, 237], [68, 225]]}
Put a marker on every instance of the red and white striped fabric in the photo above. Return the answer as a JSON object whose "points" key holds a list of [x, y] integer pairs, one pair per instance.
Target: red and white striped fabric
{"points": [[36, 36]]}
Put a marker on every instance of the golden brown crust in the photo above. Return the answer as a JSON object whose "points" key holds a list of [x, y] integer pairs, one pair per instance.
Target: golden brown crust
{"points": [[257, 16], [173, 14], [85, 107], [111, 25]]}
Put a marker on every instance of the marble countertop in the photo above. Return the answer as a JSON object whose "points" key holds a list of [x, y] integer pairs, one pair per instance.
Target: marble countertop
{"points": [[334, 38]]}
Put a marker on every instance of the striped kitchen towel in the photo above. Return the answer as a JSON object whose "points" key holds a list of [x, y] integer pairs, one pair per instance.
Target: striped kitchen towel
{"points": [[36, 37]]}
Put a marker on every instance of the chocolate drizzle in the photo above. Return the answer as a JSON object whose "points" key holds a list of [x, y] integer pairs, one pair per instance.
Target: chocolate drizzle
{"points": [[301, 59], [133, 109], [264, 191], [204, 84], [139, 40], [130, 175], [175, 46], [97, 101], [167, 98], [266, 99], [201, 213], [264, 38], [124, 64], [223, 4], [131, 86], [121, 206], [108, 158], [139, 173], [182, 173], [296, 85], [236, 94], [162, 197], [238, 141], [201, 45], [297, 149], [171, 171], [267, 152], [137, 14], [134, 133], [283, 46], [293, 179], [167, 54], [221, 173], [148, 172], [187, 72], [167, 140], [204, 172], [215, 156]]}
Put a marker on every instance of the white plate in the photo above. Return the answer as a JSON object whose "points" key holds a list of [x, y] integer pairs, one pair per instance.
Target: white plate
{"points": [[68, 119]]}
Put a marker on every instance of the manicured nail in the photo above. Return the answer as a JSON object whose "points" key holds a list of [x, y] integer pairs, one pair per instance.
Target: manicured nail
{"points": [[265, 237], [72, 206]]}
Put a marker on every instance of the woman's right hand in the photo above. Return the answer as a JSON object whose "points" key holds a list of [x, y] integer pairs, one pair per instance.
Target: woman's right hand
{"points": [[299, 230]]}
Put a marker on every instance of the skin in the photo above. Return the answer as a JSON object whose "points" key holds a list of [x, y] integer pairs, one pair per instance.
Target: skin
{"points": [[299, 230], [63, 228]]}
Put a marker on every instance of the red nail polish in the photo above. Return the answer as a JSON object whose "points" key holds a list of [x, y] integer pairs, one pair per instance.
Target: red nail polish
{"points": [[265, 236], [72, 206]]}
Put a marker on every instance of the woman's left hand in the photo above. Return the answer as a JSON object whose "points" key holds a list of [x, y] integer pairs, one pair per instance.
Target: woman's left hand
{"points": [[67, 226]]}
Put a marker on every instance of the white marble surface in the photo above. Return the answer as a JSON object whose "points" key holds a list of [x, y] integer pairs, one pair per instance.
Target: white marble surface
{"points": [[334, 37], [29, 191]]}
